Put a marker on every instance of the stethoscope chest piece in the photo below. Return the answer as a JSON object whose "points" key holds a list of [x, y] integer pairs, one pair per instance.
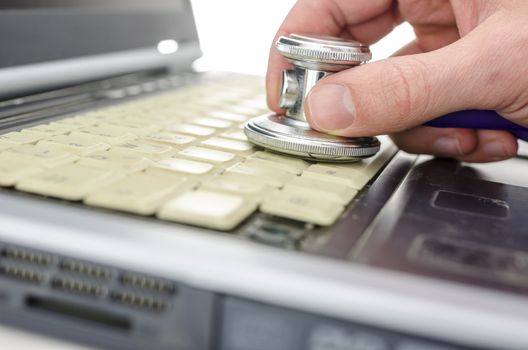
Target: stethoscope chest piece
{"points": [[313, 58], [287, 135]]}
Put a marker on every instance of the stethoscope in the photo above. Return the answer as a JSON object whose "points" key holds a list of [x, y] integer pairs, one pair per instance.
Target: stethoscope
{"points": [[313, 58]]}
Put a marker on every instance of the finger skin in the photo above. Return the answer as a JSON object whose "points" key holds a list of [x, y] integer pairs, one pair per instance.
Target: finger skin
{"points": [[373, 29], [472, 146], [399, 93], [423, 139], [366, 21], [468, 54], [489, 140], [330, 17]]}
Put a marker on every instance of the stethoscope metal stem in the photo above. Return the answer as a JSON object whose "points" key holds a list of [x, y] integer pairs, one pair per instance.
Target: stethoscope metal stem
{"points": [[296, 84]]}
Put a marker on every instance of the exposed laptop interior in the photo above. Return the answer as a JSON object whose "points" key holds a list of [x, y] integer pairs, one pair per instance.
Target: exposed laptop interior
{"points": [[135, 214]]}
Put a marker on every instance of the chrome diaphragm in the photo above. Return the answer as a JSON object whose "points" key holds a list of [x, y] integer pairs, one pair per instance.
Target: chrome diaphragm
{"points": [[287, 135]]}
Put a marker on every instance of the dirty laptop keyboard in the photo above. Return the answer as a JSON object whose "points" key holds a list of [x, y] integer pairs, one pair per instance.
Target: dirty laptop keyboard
{"points": [[181, 156]]}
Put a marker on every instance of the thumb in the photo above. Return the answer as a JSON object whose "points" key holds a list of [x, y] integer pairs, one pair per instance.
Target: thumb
{"points": [[400, 92]]}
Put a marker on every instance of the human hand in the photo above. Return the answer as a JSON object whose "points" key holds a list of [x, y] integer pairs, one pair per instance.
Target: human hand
{"points": [[468, 54]]}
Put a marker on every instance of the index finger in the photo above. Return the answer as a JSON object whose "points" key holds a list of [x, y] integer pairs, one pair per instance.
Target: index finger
{"points": [[364, 20]]}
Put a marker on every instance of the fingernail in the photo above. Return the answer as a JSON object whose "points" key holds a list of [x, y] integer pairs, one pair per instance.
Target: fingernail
{"points": [[447, 146], [495, 149], [331, 107]]}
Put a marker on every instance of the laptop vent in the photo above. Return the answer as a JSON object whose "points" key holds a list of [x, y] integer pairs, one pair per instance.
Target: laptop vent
{"points": [[85, 269], [135, 300], [148, 283], [27, 256], [76, 287], [86, 280], [21, 274]]}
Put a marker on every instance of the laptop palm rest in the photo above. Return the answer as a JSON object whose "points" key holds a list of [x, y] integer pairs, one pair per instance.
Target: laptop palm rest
{"points": [[450, 220]]}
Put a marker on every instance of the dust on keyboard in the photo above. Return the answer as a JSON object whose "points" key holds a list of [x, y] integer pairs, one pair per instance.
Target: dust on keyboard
{"points": [[182, 156]]}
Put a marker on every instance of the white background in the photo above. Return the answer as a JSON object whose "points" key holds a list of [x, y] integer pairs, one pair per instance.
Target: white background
{"points": [[236, 36]]}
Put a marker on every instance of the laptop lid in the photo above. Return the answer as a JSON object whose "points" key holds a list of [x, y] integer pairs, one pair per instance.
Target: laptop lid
{"points": [[51, 43]]}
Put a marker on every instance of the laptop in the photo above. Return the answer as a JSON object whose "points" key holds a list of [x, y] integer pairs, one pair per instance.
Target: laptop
{"points": [[135, 214]]}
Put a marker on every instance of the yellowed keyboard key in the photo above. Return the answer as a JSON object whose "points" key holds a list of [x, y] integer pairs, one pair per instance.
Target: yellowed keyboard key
{"points": [[138, 193], [302, 207], [5, 145], [244, 186], [191, 129], [272, 160], [233, 117], [355, 175], [111, 136], [208, 155], [51, 129], [77, 121], [47, 157], [102, 115], [331, 191], [178, 166], [20, 138], [13, 170], [258, 102], [372, 165], [323, 172], [145, 149], [245, 110], [154, 118], [210, 122], [205, 208], [235, 134], [270, 176], [228, 145], [71, 181], [127, 163], [170, 138], [181, 112], [132, 127], [74, 144]]}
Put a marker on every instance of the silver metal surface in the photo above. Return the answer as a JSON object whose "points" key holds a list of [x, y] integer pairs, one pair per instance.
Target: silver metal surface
{"points": [[408, 303], [323, 53], [20, 79], [279, 133], [289, 90], [313, 58], [304, 80]]}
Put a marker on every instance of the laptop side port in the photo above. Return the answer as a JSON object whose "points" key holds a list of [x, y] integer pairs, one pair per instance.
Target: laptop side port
{"points": [[76, 287], [75, 311], [85, 269], [21, 274], [147, 283], [147, 303], [26, 256]]}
